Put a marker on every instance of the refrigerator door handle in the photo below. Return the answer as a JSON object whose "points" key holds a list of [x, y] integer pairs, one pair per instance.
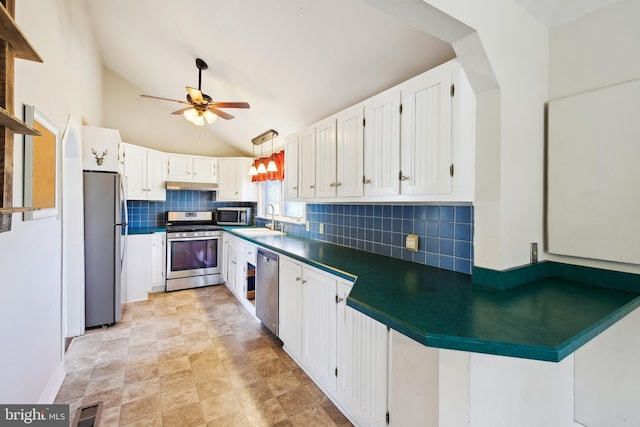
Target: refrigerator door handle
{"points": [[125, 223]]}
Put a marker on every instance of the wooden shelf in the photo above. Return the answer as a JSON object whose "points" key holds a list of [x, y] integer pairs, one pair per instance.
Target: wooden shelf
{"points": [[15, 124], [14, 210], [11, 33]]}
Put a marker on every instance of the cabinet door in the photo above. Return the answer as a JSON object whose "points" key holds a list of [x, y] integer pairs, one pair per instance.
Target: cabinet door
{"points": [[382, 144], [205, 169], [307, 164], [290, 306], [232, 265], [325, 156], [156, 175], [136, 172], [362, 363], [228, 183], [158, 257], [426, 133], [180, 167], [319, 326], [350, 152], [291, 167]]}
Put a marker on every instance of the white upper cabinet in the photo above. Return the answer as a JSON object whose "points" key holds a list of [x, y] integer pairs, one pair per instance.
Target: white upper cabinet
{"points": [[145, 172], [426, 133], [325, 158], [411, 143], [382, 144], [192, 168], [307, 163], [350, 152], [235, 182], [291, 166]]}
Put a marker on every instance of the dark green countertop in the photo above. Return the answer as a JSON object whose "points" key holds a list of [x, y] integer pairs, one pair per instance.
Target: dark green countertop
{"points": [[545, 319]]}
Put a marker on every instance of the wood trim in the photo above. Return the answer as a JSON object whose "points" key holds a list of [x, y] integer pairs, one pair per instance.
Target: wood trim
{"points": [[6, 135]]}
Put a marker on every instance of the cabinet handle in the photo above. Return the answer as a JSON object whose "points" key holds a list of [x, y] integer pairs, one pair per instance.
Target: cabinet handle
{"points": [[304, 281], [366, 180], [338, 299], [312, 186], [295, 188], [333, 184], [338, 184], [298, 279], [402, 177]]}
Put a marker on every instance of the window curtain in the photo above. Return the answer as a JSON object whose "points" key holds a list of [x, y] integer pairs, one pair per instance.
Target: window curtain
{"points": [[270, 176]]}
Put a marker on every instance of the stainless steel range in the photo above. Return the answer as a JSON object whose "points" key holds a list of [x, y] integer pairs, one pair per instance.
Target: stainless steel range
{"points": [[194, 250]]}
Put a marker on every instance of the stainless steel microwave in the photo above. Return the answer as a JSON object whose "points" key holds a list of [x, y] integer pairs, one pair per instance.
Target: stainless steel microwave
{"points": [[233, 216]]}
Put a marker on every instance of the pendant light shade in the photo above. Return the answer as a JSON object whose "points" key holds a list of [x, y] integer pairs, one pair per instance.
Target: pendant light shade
{"points": [[262, 168], [271, 167]]}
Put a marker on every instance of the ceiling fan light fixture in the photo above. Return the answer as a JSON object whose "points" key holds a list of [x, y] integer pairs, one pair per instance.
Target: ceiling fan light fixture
{"points": [[190, 114], [199, 120], [209, 117]]}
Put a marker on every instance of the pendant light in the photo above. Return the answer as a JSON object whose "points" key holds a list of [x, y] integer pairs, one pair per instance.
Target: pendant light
{"points": [[271, 167], [252, 170], [259, 140], [261, 167]]}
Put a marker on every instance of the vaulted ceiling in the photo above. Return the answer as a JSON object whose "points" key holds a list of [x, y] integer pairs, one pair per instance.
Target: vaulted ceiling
{"points": [[294, 61]]}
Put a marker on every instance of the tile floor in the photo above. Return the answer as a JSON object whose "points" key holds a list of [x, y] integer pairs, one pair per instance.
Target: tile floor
{"points": [[191, 358]]}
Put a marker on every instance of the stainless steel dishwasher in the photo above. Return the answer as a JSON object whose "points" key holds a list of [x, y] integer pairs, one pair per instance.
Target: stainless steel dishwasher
{"points": [[267, 290]]}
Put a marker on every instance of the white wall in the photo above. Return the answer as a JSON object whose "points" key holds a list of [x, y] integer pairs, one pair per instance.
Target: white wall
{"points": [[595, 51], [68, 82]]}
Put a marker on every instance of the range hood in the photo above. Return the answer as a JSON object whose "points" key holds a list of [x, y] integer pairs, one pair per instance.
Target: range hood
{"points": [[189, 185]]}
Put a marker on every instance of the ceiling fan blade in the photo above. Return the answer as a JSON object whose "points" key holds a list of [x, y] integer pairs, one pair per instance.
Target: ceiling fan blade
{"points": [[230, 104], [219, 113], [164, 99], [182, 110], [196, 95]]}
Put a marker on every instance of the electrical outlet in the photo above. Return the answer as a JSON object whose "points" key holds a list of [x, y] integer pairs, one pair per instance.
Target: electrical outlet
{"points": [[534, 253], [412, 242], [307, 226], [321, 228]]}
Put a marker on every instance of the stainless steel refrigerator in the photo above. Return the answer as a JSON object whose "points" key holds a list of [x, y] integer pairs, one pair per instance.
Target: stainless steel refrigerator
{"points": [[104, 244]]}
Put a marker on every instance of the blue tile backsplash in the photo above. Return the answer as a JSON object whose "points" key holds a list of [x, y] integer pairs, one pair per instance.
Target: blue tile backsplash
{"points": [[150, 214], [445, 232]]}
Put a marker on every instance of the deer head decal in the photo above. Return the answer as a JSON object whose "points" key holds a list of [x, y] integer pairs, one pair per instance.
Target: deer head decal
{"points": [[100, 159]]}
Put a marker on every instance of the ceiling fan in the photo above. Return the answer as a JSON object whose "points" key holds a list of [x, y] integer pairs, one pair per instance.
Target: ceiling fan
{"points": [[201, 108]]}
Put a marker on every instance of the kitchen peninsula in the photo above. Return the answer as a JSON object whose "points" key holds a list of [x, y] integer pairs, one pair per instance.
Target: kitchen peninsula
{"points": [[540, 324]]}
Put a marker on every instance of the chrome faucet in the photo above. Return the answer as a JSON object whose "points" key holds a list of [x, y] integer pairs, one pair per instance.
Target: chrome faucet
{"points": [[273, 215]]}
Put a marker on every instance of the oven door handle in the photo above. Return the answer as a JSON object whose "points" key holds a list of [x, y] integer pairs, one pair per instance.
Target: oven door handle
{"points": [[191, 239]]}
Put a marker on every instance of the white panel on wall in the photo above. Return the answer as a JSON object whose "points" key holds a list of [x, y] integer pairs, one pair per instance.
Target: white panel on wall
{"points": [[593, 174]]}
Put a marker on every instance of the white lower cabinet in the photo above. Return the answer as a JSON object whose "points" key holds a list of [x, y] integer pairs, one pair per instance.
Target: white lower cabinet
{"points": [[341, 349], [290, 306], [145, 266], [362, 363]]}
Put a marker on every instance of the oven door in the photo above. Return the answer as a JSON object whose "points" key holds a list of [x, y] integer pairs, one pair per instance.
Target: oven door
{"points": [[193, 256]]}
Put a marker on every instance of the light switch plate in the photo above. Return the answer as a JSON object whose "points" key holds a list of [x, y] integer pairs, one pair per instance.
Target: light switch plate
{"points": [[412, 242]]}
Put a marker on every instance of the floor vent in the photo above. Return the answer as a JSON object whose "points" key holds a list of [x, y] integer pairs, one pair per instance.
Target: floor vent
{"points": [[88, 416]]}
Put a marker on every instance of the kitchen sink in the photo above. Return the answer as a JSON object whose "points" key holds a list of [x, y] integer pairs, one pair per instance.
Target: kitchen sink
{"points": [[255, 232]]}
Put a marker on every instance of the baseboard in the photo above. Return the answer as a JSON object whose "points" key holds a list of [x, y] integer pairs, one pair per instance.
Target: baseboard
{"points": [[53, 386]]}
